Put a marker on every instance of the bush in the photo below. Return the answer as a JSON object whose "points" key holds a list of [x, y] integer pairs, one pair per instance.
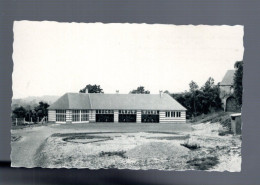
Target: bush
{"points": [[190, 146], [115, 153], [204, 163], [224, 132]]}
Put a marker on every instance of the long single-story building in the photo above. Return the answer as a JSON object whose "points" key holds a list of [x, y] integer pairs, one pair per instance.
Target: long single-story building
{"points": [[98, 107]]}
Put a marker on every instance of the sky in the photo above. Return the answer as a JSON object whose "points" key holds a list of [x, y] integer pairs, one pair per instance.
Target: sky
{"points": [[52, 58]]}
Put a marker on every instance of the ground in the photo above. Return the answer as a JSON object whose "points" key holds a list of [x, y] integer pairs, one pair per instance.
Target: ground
{"points": [[127, 146]]}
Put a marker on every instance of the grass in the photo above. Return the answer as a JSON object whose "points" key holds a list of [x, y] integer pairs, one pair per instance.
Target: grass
{"points": [[171, 137], [204, 163], [115, 153], [22, 126], [222, 117]]}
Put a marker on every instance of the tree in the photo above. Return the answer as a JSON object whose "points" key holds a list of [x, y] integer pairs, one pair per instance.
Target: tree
{"points": [[19, 112], [140, 90], [210, 96], [41, 110], [92, 89], [185, 99], [193, 89], [238, 86]]}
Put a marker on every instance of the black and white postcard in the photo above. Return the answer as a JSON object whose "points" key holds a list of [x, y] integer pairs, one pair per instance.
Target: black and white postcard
{"points": [[127, 96]]}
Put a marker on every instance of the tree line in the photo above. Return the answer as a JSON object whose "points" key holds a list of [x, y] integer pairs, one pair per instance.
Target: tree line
{"points": [[197, 100], [31, 114], [97, 89], [201, 100]]}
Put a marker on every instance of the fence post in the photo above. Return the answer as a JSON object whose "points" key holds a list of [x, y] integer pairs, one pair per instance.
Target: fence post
{"points": [[37, 119], [16, 121], [31, 119], [24, 121]]}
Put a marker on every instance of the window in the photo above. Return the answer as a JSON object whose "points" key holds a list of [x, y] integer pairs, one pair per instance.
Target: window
{"points": [[84, 115], [60, 115], [150, 112], [75, 115], [178, 114], [127, 112], [167, 114], [105, 111]]}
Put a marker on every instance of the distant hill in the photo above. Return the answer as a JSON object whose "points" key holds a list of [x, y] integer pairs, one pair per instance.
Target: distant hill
{"points": [[33, 101]]}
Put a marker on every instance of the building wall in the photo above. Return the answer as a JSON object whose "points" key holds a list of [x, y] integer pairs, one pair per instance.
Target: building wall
{"points": [[68, 116], [138, 116], [181, 119], [116, 116], [51, 115], [225, 92], [92, 116]]}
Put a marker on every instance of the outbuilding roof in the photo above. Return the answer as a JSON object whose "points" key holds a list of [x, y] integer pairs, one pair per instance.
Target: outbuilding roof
{"points": [[117, 102], [228, 78]]}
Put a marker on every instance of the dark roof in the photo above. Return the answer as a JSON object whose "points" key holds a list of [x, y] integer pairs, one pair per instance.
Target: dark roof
{"points": [[228, 78], [116, 101]]}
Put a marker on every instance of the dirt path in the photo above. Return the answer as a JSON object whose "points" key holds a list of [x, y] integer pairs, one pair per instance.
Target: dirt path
{"points": [[23, 151]]}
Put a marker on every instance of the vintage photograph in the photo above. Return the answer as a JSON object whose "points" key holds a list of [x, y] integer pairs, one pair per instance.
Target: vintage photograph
{"points": [[127, 96]]}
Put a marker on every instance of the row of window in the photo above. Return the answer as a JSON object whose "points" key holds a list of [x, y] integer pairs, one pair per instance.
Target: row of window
{"points": [[154, 112], [61, 115], [77, 115], [127, 111], [172, 114], [83, 115], [80, 115], [104, 111]]}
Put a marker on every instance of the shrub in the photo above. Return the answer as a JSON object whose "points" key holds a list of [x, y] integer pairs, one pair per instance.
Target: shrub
{"points": [[224, 132], [115, 153], [204, 163], [192, 146]]}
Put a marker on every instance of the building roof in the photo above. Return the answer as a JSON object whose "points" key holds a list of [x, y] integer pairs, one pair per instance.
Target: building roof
{"points": [[116, 101], [228, 78]]}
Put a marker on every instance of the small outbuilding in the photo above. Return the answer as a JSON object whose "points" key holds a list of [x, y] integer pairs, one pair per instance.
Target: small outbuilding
{"points": [[236, 124], [99, 107]]}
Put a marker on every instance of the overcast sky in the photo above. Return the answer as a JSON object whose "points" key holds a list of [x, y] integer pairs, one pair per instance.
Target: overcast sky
{"points": [[53, 58]]}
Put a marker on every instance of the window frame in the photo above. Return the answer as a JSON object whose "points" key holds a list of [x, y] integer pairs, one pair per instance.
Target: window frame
{"points": [[60, 115]]}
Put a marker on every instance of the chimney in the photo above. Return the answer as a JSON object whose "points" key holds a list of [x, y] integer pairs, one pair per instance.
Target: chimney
{"points": [[86, 91], [161, 93], [117, 91]]}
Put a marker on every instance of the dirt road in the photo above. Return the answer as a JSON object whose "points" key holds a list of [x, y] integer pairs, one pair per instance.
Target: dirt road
{"points": [[23, 151]]}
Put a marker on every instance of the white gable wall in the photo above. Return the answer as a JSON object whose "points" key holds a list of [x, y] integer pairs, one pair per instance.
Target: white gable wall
{"points": [[164, 119], [52, 115]]}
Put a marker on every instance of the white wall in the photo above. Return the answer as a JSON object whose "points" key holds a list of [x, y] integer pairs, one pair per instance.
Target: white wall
{"points": [[164, 119], [115, 116], [92, 115], [51, 115], [138, 116]]}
